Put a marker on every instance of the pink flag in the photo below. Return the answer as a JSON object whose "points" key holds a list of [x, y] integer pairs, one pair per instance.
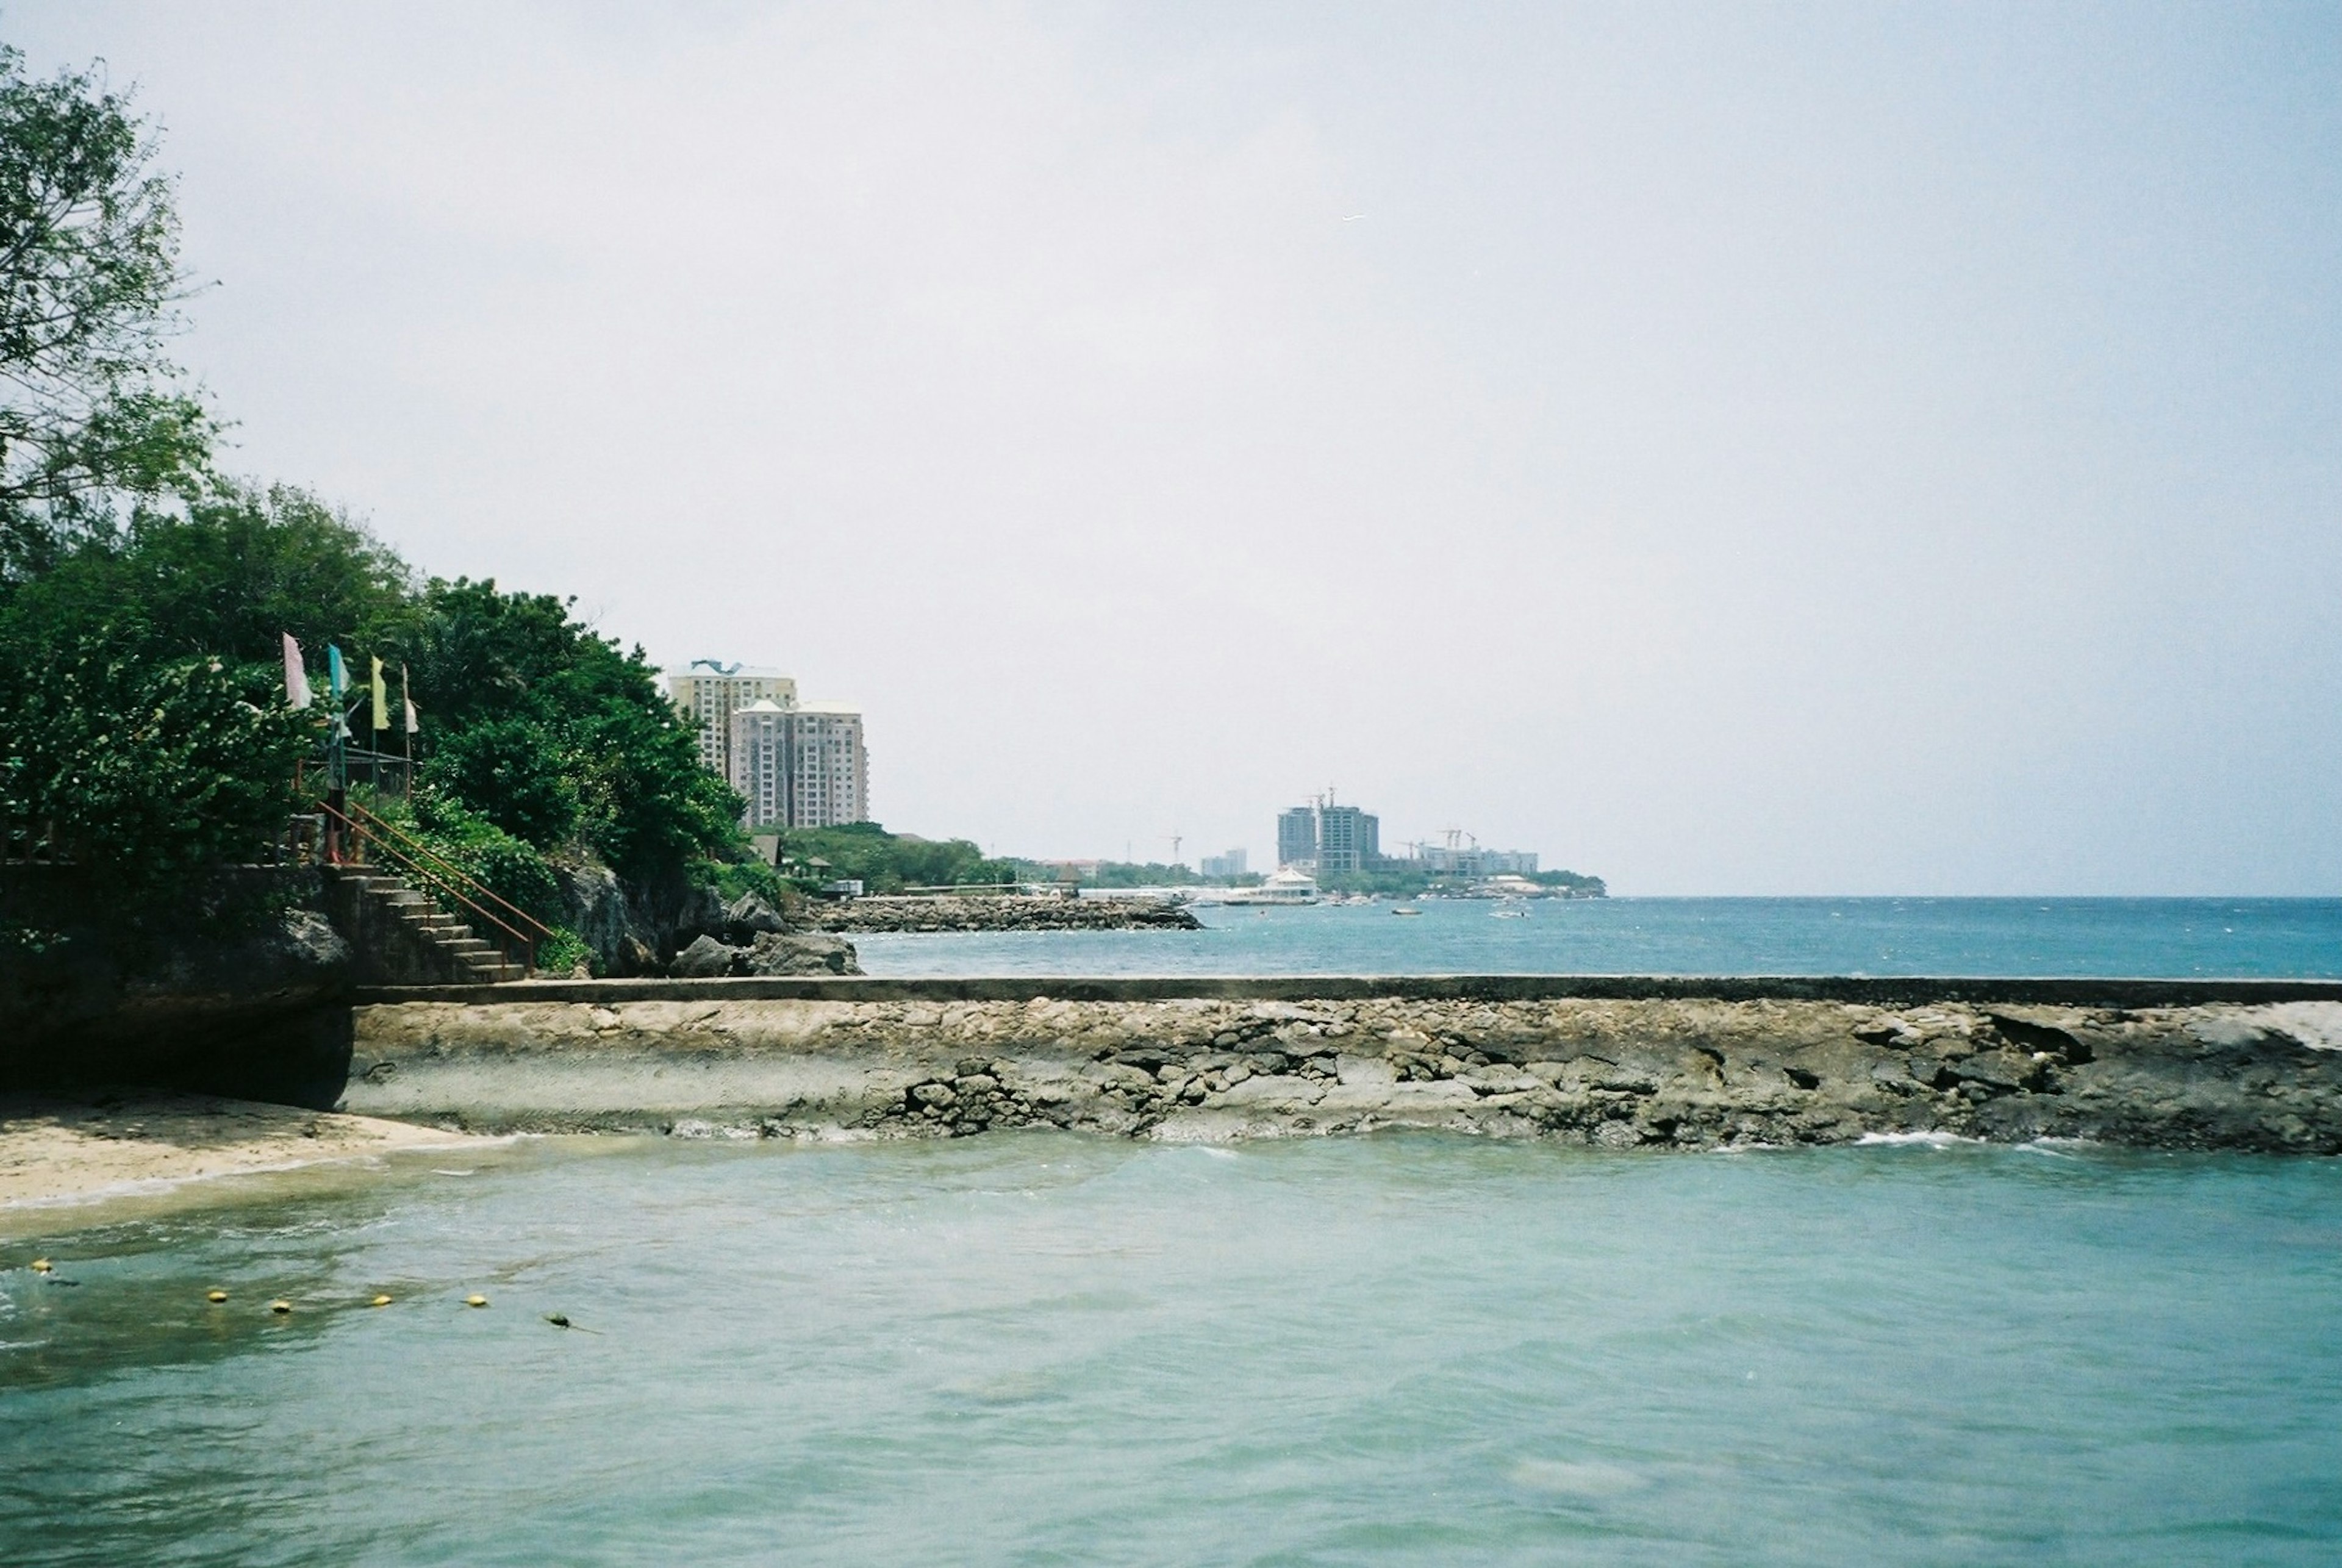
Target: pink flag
{"points": [[297, 679]]}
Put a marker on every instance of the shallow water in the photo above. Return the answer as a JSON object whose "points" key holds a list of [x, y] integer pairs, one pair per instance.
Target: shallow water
{"points": [[1040, 1348], [2288, 938]]}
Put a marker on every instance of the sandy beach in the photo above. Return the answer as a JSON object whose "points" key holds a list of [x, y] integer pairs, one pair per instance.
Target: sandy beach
{"points": [[58, 1150]]}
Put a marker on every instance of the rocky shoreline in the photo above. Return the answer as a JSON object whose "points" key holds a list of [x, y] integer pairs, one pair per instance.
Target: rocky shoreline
{"points": [[1652, 1072], [1012, 912]]}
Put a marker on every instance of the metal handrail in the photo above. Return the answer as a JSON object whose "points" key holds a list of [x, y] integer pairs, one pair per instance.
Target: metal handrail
{"points": [[452, 883], [415, 846]]}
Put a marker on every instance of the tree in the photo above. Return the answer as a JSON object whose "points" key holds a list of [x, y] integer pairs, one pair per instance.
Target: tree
{"points": [[556, 736], [90, 408], [885, 862], [229, 577]]}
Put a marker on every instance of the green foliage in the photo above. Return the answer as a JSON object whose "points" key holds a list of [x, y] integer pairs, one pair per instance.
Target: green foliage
{"points": [[90, 406], [228, 578], [1575, 883], [555, 734], [731, 878], [1394, 879], [888, 863], [517, 772], [514, 869], [560, 953], [142, 773]]}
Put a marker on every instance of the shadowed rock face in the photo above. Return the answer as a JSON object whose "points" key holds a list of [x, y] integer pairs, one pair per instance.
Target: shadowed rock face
{"points": [[1677, 1073]]}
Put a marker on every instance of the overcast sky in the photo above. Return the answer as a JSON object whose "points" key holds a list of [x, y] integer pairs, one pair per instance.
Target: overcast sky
{"points": [[1728, 449]]}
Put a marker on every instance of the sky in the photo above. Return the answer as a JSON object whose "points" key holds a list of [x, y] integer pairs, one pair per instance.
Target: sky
{"points": [[1727, 449]]}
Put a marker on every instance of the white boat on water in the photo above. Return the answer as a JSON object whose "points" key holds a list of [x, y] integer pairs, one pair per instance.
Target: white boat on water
{"points": [[1293, 887]]}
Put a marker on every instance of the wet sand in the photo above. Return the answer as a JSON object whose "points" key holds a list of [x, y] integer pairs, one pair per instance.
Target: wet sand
{"points": [[70, 1151]]}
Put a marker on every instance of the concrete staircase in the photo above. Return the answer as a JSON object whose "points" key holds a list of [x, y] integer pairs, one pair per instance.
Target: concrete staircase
{"points": [[402, 937]]}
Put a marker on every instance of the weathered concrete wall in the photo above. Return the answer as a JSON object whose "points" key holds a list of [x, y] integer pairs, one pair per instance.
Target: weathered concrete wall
{"points": [[2262, 1071]]}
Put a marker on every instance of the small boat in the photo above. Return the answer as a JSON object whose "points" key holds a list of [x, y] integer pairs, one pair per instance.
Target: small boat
{"points": [[1403, 909], [1508, 914]]}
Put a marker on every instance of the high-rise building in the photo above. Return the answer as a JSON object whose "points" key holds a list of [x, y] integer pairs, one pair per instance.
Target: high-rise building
{"points": [[829, 771], [758, 744], [799, 767], [1348, 839], [1296, 837], [709, 693], [1328, 839], [1225, 867]]}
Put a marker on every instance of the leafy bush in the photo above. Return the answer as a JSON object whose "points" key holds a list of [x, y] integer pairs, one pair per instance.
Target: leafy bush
{"points": [[142, 773], [560, 953], [553, 733], [510, 867]]}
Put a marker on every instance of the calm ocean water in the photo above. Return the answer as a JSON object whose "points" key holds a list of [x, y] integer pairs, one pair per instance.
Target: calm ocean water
{"points": [[1045, 1349], [2286, 938]]}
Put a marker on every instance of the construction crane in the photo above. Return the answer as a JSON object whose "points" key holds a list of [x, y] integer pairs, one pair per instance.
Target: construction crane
{"points": [[1177, 840]]}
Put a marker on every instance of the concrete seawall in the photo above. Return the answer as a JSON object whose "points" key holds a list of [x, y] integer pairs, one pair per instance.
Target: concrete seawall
{"points": [[1614, 1061]]}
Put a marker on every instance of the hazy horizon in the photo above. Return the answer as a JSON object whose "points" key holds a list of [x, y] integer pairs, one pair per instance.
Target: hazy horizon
{"points": [[1831, 450]]}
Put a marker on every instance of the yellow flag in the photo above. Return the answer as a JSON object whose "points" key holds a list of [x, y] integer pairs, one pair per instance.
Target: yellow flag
{"points": [[381, 700]]}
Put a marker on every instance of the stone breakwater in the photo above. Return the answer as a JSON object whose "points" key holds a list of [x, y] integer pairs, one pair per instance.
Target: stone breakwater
{"points": [[1008, 914], [1650, 1072]]}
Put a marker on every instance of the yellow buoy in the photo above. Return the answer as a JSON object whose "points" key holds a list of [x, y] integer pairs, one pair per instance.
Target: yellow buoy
{"points": [[475, 1301], [216, 1297], [41, 1265], [379, 1301], [280, 1306]]}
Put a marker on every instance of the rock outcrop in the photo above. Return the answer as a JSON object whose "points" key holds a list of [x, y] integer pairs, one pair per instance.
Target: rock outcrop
{"points": [[1661, 1073], [772, 952], [1008, 914]]}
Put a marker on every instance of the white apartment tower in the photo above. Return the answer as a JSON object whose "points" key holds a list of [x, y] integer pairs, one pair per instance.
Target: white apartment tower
{"points": [[799, 766], [709, 693], [758, 738]]}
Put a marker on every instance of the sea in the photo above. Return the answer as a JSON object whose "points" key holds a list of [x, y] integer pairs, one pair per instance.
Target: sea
{"points": [[2269, 938], [1041, 1348]]}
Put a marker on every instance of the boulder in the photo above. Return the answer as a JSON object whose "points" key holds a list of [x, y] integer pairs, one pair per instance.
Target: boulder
{"points": [[705, 959], [806, 952], [700, 913], [748, 916]]}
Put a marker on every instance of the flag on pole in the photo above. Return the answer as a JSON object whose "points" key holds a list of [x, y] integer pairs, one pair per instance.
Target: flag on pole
{"points": [[337, 675], [297, 679], [381, 698], [414, 722]]}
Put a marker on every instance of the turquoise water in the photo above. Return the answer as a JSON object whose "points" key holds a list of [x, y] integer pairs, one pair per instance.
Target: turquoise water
{"points": [[1045, 1349], [2286, 938]]}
